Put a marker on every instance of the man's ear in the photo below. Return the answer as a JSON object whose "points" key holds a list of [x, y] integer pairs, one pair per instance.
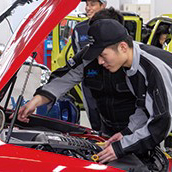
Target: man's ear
{"points": [[123, 47], [103, 6]]}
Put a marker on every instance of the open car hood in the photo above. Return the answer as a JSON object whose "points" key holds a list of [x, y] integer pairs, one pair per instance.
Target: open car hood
{"points": [[30, 33]]}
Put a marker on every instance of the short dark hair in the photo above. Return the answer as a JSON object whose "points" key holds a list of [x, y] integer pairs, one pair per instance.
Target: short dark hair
{"points": [[108, 13], [163, 29], [128, 40]]}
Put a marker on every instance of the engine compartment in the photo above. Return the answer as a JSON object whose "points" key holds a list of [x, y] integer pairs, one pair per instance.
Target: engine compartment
{"points": [[60, 143]]}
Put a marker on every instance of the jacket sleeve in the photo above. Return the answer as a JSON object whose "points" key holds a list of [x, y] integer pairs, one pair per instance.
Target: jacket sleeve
{"points": [[152, 131], [136, 121], [75, 41], [61, 81]]}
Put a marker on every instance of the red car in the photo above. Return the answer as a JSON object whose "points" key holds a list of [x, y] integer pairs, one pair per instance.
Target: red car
{"points": [[45, 144]]}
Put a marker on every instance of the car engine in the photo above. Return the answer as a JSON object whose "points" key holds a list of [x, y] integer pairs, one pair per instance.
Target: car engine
{"points": [[60, 143]]}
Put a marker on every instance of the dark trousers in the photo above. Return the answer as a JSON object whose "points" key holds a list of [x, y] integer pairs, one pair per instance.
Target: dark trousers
{"points": [[92, 111]]}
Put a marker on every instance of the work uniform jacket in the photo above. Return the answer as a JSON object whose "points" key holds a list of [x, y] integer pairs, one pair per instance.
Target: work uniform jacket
{"points": [[80, 36], [150, 81], [113, 97], [114, 100], [79, 40]]}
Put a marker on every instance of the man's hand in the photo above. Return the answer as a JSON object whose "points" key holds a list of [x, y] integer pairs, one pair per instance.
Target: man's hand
{"points": [[30, 107], [114, 138], [25, 111], [107, 155]]}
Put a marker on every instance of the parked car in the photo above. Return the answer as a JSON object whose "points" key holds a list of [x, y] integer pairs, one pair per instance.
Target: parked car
{"points": [[61, 36], [155, 27], [46, 144]]}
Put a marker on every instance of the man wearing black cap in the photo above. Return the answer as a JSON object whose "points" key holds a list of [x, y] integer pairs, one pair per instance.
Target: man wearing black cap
{"points": [[110, 90], [92, 95], [148, 73], [114, 50]]}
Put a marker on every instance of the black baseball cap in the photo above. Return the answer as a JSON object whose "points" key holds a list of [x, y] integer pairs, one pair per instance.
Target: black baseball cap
{"points": [[103, 33]]}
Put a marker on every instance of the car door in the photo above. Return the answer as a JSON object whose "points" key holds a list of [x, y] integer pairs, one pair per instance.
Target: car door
{"points": [[62, 50], [133, 24], [157, 23]]}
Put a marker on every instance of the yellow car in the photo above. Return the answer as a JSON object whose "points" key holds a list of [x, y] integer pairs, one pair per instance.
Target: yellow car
{"points": [[154, 26], [62, 49]]}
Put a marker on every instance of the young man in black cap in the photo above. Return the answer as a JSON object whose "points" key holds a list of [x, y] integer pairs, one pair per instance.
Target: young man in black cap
{"points": [[110, 91], [79, 40], [148, 73]]}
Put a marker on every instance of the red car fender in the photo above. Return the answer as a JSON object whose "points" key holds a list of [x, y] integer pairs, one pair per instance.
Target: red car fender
{"points": [[16, 158]]}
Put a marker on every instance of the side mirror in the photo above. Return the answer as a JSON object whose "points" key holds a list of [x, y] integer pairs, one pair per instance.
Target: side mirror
{"points": [[2, 120]]}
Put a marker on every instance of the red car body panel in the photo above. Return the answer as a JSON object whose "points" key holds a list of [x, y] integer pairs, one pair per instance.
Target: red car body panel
{"points": [[23, 42], [30, 33], [17, 158]]}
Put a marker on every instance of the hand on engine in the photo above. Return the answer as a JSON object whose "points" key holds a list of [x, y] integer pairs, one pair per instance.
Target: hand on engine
{"points": [[107, 155], [114, 138]]}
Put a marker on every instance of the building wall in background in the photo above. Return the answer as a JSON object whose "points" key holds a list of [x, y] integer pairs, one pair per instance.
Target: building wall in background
{"points": [[114, 3], [141, 1], [159, 7]]}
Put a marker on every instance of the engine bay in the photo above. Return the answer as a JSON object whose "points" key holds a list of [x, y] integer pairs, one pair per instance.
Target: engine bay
{"points": [[78, 147]]}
